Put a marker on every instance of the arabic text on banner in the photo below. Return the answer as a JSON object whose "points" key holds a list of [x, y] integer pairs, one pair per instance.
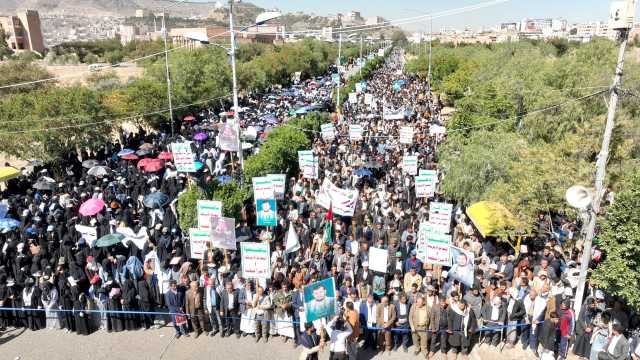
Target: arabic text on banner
{"points": [[440, 215], [255, 260], [279, 184], [198, 242], [355, 132], [263, 188], [328, 131], [406, 135], [208, 209], [183, 157], [343, 201], [410, 164]]}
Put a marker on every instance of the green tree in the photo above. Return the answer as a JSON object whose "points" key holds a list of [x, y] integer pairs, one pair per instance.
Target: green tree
{"points": [[142, 101], [619, 238], [187, 207], [232, 196], [15, 72]]}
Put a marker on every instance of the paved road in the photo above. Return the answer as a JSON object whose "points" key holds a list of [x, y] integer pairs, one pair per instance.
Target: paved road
{"points": [[160, 344]]}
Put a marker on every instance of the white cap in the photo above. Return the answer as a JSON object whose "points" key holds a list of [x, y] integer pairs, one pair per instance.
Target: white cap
{"points": [[599, 295]]}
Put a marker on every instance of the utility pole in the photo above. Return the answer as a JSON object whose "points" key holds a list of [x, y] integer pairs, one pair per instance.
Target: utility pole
{"points": [[430, 36], [361, 59], [166, 65], [236, 107], [339, 76], [601, 167]]}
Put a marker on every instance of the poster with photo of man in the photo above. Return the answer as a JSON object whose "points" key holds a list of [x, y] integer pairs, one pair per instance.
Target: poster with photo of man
{"points": [[320, 299], [266, 212], [462, 268]]}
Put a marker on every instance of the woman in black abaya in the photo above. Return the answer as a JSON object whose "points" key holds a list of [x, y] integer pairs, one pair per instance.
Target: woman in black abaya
{"points": [[80, 316]]}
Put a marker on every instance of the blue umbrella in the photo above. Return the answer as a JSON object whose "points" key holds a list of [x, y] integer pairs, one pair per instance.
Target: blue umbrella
{"points": [[199, 165], [270, 119], [143, 152], [9, 224], [155, 199], [301, 111], [363, 172], [224, 179], [124, 152]]}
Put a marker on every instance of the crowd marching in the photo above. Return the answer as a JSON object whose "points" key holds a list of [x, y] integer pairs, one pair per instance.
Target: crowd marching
{"points": [[349, 266]]}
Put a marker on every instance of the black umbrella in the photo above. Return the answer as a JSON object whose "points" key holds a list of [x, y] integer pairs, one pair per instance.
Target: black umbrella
{"points": [[88, 164], [156, 199], [45, 183]]}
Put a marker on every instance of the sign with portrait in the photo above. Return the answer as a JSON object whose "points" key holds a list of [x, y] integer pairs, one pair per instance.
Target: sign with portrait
{"points": [[320, 299]]}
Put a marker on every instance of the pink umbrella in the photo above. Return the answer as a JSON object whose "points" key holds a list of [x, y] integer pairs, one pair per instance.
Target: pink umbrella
{"points": [[189, 118], [130, 157], [154, 165], [143, 162], [91, 207], [165, 155]]}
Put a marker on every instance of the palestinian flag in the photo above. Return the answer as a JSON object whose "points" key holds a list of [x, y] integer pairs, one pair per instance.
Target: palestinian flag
{"points": [[328, 226]]}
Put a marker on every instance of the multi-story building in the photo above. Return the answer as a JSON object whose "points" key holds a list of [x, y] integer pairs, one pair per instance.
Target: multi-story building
{"points": [[23, 32], [595, 28], [374, 20]]}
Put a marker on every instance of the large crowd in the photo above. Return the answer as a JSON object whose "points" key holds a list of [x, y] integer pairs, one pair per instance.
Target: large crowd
{"points": [[54, 274]]}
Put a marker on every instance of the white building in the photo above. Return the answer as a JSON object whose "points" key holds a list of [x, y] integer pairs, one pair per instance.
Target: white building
{"points": [[595, 28]]}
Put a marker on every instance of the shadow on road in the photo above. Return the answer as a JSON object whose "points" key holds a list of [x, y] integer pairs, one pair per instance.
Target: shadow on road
{"points": [[9, 335]]}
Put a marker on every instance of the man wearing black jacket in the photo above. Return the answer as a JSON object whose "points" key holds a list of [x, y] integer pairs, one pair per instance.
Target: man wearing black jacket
{"points": [[515, 316], [548, 336], [229, 311]]}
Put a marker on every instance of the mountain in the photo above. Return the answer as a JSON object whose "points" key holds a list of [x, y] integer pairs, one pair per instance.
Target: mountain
{"points": [[118, 8]]}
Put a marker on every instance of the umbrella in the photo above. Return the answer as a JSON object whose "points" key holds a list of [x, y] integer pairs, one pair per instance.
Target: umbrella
{"points": [[373, 165], [143, 162], [8, 173], [109, 239], [198, 165], [9, 224], [155, 199], [125, 152], [154, 165], [91, 207], [45, 183], [224, 179], [143, 152], [88, 164], [99, 171], [301, 111], [130, 156], [363, 172], [189, 118], [209, 127], [165, 155], [227, 113], [270, 119], [200, 136], [146, 146]]}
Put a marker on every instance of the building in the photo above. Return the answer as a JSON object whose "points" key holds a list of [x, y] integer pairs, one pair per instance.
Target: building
{"points": [[593, 29], [374, 20], [326, 33], [23, 32], [509, 26], [140, 13], [182, 36]]}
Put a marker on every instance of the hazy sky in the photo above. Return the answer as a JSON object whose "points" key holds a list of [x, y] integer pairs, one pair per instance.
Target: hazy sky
{"points": [[514, 10]]}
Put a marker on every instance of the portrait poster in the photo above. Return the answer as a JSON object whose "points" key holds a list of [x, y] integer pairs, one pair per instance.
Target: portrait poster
{"points": [[223, 233], [462, 266], [266, 212], [320, 299]]}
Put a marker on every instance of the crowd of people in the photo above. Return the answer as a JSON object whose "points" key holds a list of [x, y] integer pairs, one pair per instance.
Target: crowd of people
{"points": [[54, 273]]}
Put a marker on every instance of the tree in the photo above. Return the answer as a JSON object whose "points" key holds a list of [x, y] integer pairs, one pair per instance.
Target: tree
{"points": [[141, 96], [15, 72], [232, 196], [619, 238], [49, 123], [399, 38], [5, 52], [187, 207]]}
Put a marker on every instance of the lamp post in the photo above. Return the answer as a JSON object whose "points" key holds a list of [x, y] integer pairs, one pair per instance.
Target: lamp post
{"points": [[261, 19], [166, 64]]}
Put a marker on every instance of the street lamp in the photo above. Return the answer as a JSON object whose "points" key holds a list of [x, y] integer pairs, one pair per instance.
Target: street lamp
{"points": [[203, 39]]}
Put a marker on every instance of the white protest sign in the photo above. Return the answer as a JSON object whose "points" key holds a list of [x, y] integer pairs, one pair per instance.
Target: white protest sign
{"points": [[406, 135], [378, 259], [278, 181], [255, 260], [353, 98], [380, 52], [199, 241], [440, 215], [138, 239], [425, 187], [183, 157], [355, 132], [342, 201], [410, 164], [438, 249], [228, 137], [88, 233], [263, 188], [328, 131], [207, 209], [308, 164], [437, 130], [368, 99]]}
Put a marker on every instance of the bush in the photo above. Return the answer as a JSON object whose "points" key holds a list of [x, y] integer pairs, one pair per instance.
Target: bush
{"points": [[232, 196], [187, 202]]}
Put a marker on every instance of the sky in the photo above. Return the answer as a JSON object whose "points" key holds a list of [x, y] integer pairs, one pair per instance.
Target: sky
{"points": [[511, 11]]}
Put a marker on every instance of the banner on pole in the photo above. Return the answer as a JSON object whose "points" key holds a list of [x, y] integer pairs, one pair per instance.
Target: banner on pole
{"points": [[308, 164], [355, 132], [183, 157], [353, 98], [461, 266], [378, 259], [223, 233], [380, 52], [266, 212], [368, 98], [342, 201], [406, 135], [328, 131], [198, 242], [410, 164], [263, 188], [228, 137], [279, 184], [440, 215], [206, 210], [255, 260]]}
